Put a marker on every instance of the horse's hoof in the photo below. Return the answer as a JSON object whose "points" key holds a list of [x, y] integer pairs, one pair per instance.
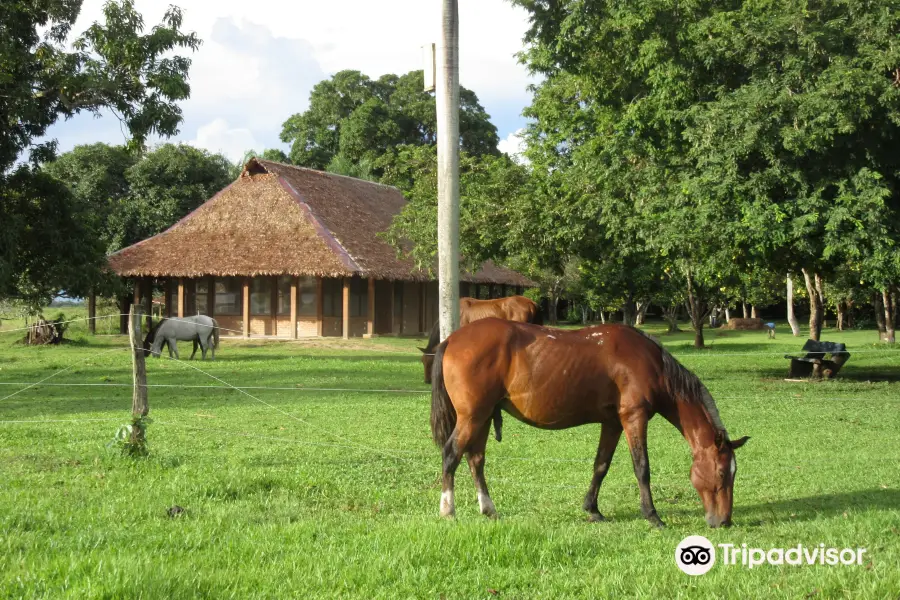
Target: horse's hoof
{"points": [[596, 517], [657, 522]]}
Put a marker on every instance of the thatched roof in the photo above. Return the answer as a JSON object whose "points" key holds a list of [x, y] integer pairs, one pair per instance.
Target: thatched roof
{"points": [[279, 219]]}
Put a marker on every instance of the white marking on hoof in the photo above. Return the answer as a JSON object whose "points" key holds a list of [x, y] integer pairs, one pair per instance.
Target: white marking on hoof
{"points": [[447, 507], [486, 505]]}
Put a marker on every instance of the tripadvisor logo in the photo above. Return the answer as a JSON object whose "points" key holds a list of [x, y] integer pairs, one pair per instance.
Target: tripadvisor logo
{"points": [[695, 555]]}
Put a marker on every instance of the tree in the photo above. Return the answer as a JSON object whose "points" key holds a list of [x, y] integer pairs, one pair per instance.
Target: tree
{"points": [[47, 242], [164, 186], [96, 174], [360, 119], [490, 187]]}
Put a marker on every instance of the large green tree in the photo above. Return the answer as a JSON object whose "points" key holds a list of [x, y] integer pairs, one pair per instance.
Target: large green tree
{"points": [[357, 119], [112, 67]]}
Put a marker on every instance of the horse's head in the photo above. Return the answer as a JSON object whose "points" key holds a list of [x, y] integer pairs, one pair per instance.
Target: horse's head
{"points": [[427, 362], [712, 475], [148, 342]]}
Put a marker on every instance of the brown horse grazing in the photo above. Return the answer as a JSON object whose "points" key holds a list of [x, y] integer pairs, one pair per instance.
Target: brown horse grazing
{"points": [[512, 308], [612, 374]]}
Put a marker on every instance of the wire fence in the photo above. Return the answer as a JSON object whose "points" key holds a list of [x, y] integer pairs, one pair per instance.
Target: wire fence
{"points": [[417, 458]]}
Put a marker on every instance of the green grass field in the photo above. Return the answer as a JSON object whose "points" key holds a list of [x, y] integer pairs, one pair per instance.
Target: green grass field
{"points": [[298, 493]]}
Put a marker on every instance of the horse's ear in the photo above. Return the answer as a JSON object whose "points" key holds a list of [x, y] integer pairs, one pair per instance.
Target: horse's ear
{"points": [[424, 350], [739, 442]]}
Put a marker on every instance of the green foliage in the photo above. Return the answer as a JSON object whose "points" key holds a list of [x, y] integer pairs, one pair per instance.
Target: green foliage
{"points": [[489, 187], [359, 120], [52, 239], [112, 66], [131, 438]]}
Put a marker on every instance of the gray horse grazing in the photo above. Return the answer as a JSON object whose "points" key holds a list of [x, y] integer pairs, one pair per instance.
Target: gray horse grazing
{"points": [[202, 330]]}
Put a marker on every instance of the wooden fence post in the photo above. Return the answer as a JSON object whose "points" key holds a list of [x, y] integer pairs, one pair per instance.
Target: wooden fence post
{"points": [[139, 404]]}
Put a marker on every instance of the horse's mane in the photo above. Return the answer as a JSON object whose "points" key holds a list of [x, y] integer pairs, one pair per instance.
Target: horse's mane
{"points": [[434, 338], [151, 335], [684, 385]]}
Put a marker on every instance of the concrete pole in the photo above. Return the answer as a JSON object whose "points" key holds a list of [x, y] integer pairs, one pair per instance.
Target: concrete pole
{"points": [[447, 100]]}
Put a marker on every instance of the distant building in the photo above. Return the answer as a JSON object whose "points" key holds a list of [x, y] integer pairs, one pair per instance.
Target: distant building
{"points": [[290, 252]]}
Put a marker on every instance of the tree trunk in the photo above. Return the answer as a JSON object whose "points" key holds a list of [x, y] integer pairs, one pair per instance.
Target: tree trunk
{"points": [[744, 306], [670, 314], [554, 301], [816, 310], [840, 314], [629, 312], [642, 307], [603, 317], [889, 315], [879, 315], [697, 311], [584, 314], [792, 318], [727, 315], [753, 314]]}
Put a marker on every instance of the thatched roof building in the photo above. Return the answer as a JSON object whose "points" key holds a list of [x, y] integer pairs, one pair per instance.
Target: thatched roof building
{"points": [[299, 250]]}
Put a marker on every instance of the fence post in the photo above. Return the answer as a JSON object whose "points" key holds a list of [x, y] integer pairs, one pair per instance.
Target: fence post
{"points": [[139, 404]]}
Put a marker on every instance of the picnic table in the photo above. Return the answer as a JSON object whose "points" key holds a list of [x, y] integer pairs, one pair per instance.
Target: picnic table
{"points": [[814, 363]]}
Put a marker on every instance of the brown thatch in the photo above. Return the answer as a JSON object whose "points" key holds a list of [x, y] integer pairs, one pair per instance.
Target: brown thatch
{"points": [[745, 324], [279, 219]]}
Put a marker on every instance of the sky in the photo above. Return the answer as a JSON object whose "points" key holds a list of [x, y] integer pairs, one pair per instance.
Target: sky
{"points": [[259, 61]]}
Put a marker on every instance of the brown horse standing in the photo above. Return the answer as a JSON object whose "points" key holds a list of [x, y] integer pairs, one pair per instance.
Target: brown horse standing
{"points": [[612, 374], [512, 308]]}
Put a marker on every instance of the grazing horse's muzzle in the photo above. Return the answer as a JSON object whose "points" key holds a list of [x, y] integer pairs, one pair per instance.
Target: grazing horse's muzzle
{"points": [[716, 521]]}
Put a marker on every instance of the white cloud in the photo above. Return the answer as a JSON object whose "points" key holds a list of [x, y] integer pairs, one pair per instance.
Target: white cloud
{"points": [[258, 62], [218, 136], [514, 145]]}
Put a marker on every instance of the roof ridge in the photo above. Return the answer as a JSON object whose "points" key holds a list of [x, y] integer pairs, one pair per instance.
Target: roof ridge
{"points": [[325, 173]]}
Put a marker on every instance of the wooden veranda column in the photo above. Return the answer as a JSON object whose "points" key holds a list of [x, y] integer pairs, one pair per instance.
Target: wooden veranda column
{"points": [[180, 298], [370, 323], [210, 296], [92, 313], [147, 301], [246, 307], [273, 306], [320, 300], [477, 294], [503, 290], [293, 308], [345, 309]]}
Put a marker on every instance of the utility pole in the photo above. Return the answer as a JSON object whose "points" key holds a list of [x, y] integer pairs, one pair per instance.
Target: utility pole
{"points": [[447, 100]]}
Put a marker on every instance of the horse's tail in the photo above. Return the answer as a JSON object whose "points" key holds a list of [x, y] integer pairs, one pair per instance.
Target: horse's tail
{"points": [[443, 415], [215, 334]]}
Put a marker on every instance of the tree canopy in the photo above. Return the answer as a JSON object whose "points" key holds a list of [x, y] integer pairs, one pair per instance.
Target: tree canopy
{"points": [[48, 241], [357, 119]]}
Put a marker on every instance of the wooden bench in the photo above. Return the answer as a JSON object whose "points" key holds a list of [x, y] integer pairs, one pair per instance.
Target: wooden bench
{"points": [[814, 363]]}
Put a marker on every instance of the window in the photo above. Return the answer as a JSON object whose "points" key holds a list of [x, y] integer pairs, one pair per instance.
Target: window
{"points": [[359, 297], [306, 297], [201, 295], [284, 295], [229, 296], [332, 297], [261, 296]]}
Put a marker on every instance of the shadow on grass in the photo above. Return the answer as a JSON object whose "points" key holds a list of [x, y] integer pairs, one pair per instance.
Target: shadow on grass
{"points": [[813, 507]]}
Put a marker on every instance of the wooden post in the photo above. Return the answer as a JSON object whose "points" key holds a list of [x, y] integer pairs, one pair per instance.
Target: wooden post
{"points": [[370, 323], [246, 307], [139, 404], [294, 297], [180, 298], [320, 300], [92, 313], [345, 312], [503, 290], [477, 294]]}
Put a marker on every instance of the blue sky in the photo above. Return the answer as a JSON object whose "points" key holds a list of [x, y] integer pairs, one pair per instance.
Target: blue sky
{"points": [[259, 61]]}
